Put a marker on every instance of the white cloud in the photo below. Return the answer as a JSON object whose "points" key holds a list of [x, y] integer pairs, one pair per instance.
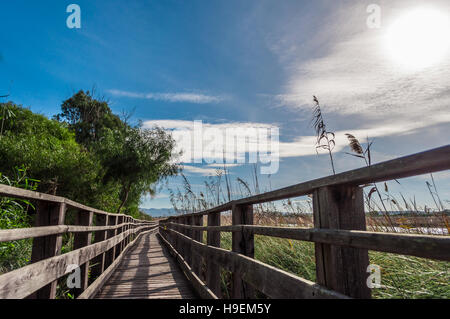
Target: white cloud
{"points": [[356, 76], [170, 97], [297, 147], [203, 171]]}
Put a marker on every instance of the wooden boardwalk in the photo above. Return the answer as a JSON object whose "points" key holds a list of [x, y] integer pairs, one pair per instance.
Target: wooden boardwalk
{"points": [[147, 271]]}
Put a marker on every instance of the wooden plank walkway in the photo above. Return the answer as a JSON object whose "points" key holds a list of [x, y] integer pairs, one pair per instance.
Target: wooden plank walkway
{"points": [[147, 271]]}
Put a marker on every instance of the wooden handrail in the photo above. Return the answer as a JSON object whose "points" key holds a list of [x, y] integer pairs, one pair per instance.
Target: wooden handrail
{"points": [[114, 234], [34, 232], [10, 191], [21, 282], [266, 278], [339, 235]]}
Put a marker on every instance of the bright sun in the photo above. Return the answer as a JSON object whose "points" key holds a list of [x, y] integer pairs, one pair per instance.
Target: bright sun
{"points": [[420, 38]]}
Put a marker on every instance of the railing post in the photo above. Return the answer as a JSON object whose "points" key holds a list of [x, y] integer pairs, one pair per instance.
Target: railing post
{"points": [[188, 221], [197, 235], [47, 214], [127, 228], [129, 238], [242, 243], [110, 254], [119, 246], [213, 269], [180, 242], [342, 269], [99, 261], [164, 227], [173, 237], [83, 218], [133, 226]]}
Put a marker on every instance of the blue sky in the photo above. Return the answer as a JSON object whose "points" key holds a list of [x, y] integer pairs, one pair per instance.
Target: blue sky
{"points": [[233, 64]]}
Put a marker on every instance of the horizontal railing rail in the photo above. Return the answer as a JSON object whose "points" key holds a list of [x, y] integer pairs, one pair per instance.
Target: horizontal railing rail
{"points": [[339, 235], [426, 246], [9, 191], [33, 232], [100, 239]]}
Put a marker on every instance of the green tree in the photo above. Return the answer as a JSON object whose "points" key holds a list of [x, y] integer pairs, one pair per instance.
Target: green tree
{"points": [[134, 159], [88, 118], [137, 159], [49, 152]]}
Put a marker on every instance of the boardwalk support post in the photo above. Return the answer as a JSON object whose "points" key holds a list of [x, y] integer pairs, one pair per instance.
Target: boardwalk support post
{"points": [[188, 221], [110, 254], [83, 218], [213, 269], [47, 214], [242, 243], [119, 246], [342, 269], [99, 261], [197, 235]]}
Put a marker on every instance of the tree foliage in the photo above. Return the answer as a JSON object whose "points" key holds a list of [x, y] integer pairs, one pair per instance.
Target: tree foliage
{"points": [[87, 153]]}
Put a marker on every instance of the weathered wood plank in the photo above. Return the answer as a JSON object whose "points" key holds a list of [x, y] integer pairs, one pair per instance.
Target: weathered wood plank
{"points": [[341, 269], [93, 289], [144, 280], [242, 243]]}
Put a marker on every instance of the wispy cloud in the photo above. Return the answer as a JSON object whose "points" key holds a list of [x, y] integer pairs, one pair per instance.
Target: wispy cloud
{"points": [[170, 97]]}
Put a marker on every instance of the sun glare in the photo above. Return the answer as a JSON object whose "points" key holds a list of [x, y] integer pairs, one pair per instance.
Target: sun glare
{"points": [[419, 38]]}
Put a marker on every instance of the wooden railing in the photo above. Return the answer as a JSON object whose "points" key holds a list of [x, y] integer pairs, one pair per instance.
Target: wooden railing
{"points": [[96, 249], [339, 235]]}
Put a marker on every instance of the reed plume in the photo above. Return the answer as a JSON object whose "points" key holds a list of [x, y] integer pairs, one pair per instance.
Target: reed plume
{"points": [[325, 139]]}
